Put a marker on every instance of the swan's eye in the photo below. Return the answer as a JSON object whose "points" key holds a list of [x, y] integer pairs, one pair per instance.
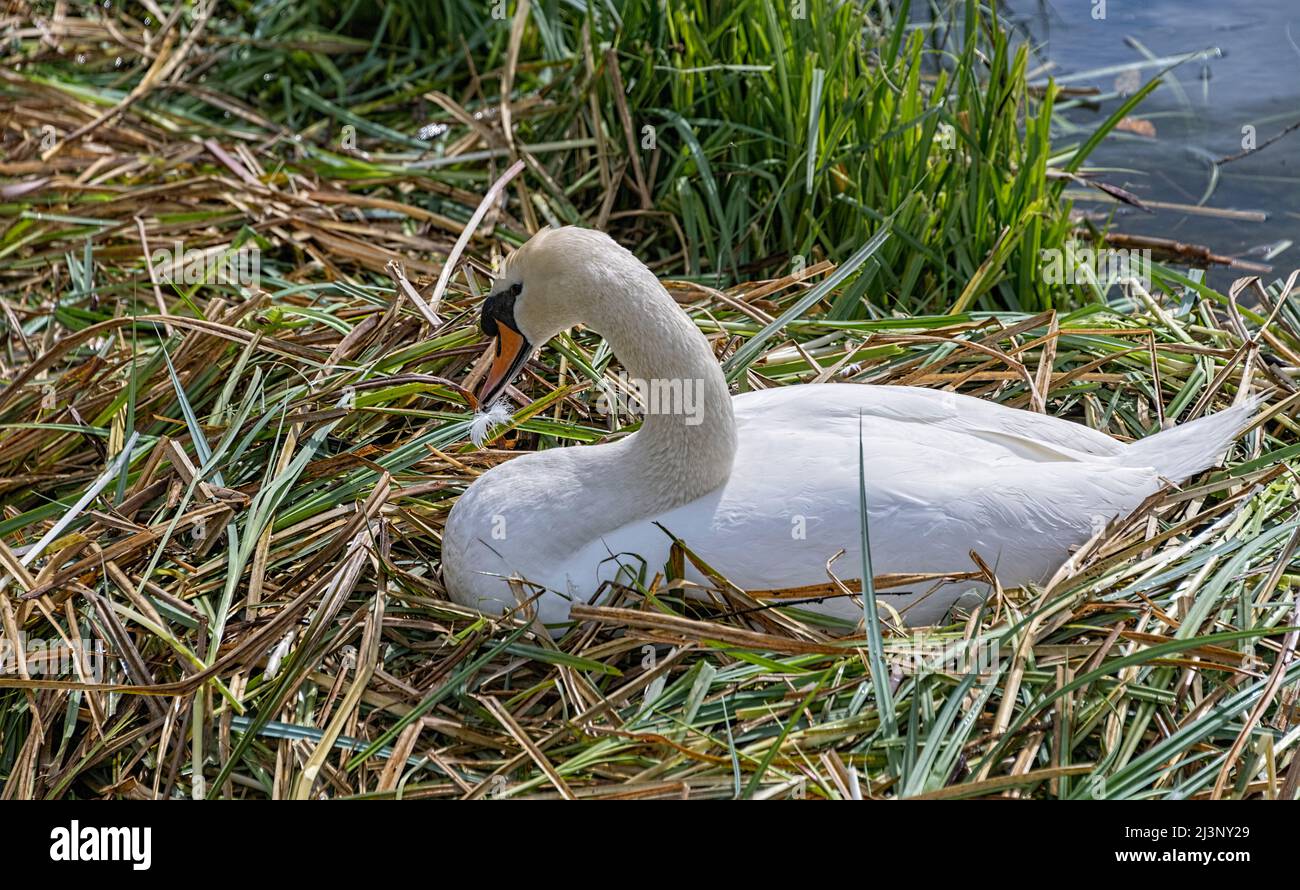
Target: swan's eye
{"points": [[500, 307]]}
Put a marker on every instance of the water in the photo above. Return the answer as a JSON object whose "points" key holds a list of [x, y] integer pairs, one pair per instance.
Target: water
{"points": [[1198, 114]]}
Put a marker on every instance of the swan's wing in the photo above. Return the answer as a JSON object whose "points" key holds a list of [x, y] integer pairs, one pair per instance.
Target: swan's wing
{"points": [[1035, 436], [932, 497], [791, 505]]}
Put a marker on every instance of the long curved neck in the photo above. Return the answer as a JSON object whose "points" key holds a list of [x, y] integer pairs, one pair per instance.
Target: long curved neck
{"points": [[687, 440]]}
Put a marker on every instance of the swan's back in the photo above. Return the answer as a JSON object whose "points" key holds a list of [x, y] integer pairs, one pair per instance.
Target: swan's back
{"points": [[824, 410]]}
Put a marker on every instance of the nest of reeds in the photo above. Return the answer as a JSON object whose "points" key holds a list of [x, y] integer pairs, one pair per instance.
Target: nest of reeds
{"points": [[222, 504]]}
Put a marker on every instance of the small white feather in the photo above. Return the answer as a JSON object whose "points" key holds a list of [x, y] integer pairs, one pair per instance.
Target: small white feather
{"points": [[497, 414]]}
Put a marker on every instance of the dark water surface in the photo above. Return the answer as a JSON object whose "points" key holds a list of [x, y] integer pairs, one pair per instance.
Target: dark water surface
{"points": [[1250, 77]]}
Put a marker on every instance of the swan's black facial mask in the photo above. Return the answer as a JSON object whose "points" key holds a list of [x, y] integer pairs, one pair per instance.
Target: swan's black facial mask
{"points": [[497, 319]]}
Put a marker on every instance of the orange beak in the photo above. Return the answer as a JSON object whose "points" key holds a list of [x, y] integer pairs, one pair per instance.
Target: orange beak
{"points": [[511, 353]]}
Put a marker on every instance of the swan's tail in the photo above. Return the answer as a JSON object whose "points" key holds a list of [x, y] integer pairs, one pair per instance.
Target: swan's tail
{"points": [[1188, 448]]}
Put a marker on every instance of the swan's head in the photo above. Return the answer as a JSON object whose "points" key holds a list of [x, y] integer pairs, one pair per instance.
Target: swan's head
{"points": [[558, 279]]}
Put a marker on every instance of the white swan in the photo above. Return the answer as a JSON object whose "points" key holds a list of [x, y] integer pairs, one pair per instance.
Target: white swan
{"points": [[764, 486]]}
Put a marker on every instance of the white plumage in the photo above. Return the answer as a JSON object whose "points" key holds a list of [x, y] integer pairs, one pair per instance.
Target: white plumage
{"points": [[497, 414]]}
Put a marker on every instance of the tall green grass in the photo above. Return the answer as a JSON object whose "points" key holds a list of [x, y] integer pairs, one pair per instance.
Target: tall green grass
{"points": [[766, 135]]}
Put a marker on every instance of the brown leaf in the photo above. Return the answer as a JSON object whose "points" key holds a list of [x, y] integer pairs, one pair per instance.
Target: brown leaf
{"points": [[1137, 125]]}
